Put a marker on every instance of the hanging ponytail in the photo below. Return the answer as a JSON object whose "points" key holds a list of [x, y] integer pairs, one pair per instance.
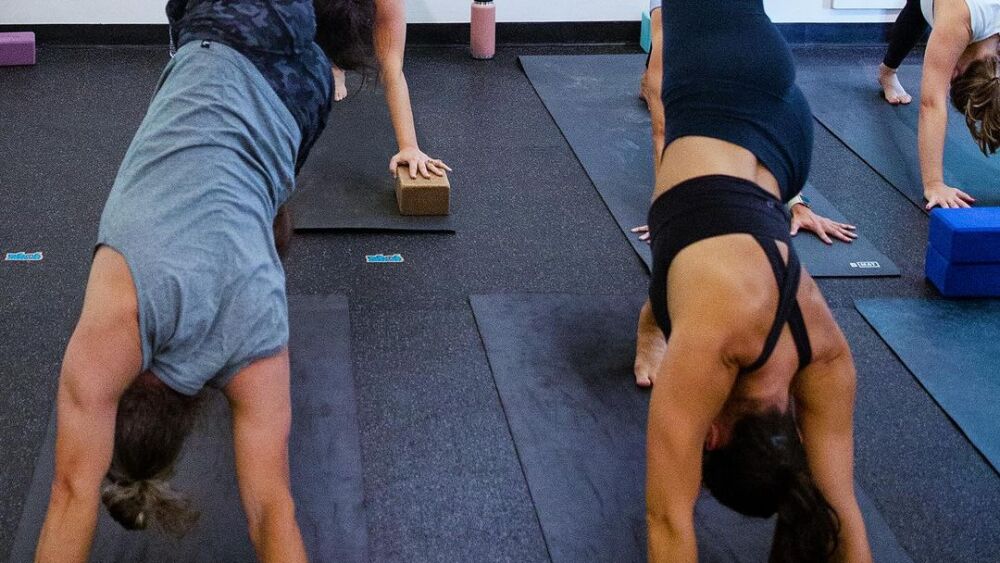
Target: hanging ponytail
{"points": [[807, 525], [763, 471], [150, 428], [137, 504]]}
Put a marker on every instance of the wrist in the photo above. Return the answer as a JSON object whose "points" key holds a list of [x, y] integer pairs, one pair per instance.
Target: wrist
{"points": [[795, 202]]}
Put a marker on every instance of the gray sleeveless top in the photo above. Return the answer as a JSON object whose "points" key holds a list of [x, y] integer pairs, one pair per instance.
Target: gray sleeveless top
{"points": [[191, 211]]}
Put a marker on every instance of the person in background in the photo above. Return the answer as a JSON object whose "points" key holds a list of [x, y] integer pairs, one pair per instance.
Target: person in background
{"points": [[961, 57], [390, 49]]}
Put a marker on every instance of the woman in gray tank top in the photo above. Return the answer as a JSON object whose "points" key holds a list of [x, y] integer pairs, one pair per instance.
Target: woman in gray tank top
{"points": [[187, 290]]}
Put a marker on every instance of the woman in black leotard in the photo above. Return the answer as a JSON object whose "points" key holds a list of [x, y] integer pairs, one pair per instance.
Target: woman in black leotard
{"points": [[754, 382]]}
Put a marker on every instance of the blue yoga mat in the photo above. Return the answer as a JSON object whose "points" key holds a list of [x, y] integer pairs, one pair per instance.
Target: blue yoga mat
{"points": [[952, 348], [847, 100], [594, 101]]}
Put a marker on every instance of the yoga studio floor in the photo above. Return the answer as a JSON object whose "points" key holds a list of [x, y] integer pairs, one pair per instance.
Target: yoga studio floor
{"points": [[442, 477]]}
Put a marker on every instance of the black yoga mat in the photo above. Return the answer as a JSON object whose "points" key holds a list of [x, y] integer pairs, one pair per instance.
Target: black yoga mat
{"points": [[346, 184], [594, 101], [325, 451], [847, 100], [952, 348], [563, 367]]}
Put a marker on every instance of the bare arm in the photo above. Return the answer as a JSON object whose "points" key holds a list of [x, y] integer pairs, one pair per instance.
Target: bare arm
{"points": [[691, 389], [259, 397], [390, 48], [85, 433], [949, 39], [102, 359], [824, 395]]}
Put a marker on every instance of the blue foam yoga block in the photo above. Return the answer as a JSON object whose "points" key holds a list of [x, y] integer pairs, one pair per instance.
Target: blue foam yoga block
{"points": [[964, 236], [962, 280], [646, 35]]}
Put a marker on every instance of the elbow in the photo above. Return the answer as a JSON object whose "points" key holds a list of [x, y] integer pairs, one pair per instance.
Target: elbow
{"points": [[68, 488], [670, 540], [669, 529], [268, 517], [391, 76], [932, 104]]}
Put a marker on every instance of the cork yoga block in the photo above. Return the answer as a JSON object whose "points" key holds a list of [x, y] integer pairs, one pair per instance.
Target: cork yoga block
{"points": [[422, 196]]}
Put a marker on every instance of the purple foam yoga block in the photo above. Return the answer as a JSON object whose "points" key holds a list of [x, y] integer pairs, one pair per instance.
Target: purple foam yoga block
{"points": [[17, 48]]}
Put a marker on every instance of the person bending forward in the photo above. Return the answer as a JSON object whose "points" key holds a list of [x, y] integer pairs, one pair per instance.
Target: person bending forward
{"points": [[187, 289], [753, 381]]}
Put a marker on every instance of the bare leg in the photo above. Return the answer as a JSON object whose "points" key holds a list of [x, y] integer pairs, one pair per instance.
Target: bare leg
{"points": [[339, 84], [651, 347], [910, 26]]}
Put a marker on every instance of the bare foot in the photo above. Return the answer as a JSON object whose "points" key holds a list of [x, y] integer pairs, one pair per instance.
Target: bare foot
{"points": [[893, 91], [339, 85], [650, 347]]}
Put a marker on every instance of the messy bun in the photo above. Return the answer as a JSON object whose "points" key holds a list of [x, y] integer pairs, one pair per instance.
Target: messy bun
{"points": [[763, 471], [976, 93], [135, 505], [151, 425]]}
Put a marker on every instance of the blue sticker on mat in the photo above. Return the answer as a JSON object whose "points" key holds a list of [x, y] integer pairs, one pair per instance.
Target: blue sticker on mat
{"points": [[383, 259], [24, 257]]}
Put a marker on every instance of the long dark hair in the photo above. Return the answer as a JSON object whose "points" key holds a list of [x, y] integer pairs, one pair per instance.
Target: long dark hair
{"points": [[345, 32], [763, 471], [152, 423]]}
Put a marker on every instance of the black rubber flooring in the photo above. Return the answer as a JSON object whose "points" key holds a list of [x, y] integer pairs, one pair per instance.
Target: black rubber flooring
{"points": [[442, 479]]}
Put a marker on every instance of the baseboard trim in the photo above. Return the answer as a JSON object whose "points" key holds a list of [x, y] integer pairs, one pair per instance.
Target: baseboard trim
{"points": [[458, 34]]}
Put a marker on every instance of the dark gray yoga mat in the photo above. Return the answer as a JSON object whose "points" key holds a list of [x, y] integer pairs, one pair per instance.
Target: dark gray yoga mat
{"points": [[952, 348], [594, 101], [346, 184], [847, 100], [563, 368], [326, 470]]}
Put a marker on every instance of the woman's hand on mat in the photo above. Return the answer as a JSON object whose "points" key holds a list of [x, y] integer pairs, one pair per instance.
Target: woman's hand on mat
{"points": [[946, 197], [803, 218], [418, 163], [643, 232]]}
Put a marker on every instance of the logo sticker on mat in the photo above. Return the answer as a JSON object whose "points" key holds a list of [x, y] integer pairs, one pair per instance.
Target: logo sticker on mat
{"points": [[24, 257], [383, 259], [866, 265]]}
